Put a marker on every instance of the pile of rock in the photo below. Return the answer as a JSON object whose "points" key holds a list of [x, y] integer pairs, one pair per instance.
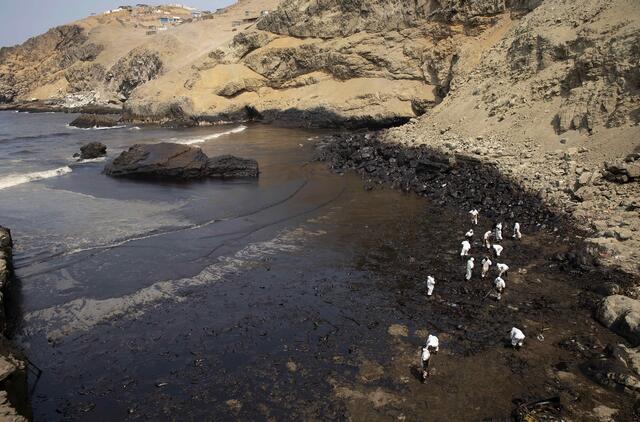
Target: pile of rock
{"points": [[625, 171], [452, 178], [617, 368], [177, 161]]}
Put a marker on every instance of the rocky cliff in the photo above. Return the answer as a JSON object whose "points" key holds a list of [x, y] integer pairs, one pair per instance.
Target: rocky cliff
{"points": [[331, 63], [320, 63]]}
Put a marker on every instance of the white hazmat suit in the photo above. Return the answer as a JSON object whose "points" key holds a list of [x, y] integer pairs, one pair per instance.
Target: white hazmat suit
{"points": [[486, 265], [433, 344], [516, 231], [498, 249], [487, 239], [499, 232], [469, 269], [431, 283], [517, 337], [466, 247], [474, 216]]}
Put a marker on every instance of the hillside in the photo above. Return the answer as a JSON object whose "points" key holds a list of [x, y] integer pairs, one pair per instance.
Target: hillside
{"points": [[101, 59], [355, 63]]}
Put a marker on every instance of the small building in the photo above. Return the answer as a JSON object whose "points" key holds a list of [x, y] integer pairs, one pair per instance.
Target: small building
{"points": [[170, 19], [196, 14]]}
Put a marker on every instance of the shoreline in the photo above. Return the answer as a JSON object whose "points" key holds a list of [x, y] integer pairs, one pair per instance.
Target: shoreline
{"points": [[462, 180], [292, 118]]}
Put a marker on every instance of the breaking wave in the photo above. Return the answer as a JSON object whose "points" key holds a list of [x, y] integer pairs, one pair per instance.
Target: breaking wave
{"points": [[18, 179], [191, 141], [97, 127]]}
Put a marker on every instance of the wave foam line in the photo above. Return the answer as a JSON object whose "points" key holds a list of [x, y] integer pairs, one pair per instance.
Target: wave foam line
{"points": [[18, 179], [96, 127], [210, 137], [85, 313]]}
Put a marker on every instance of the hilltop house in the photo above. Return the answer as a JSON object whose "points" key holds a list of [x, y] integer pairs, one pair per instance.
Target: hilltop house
{"points": [[170, 19]]}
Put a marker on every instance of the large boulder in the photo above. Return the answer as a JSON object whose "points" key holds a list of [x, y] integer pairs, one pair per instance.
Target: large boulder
{"points": [[93, 150], [177, 161], [6, 247], [622, 315], [86, 121]]}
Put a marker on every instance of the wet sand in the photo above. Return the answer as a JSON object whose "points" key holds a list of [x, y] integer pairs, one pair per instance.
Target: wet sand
{"points": [[307, 326]]}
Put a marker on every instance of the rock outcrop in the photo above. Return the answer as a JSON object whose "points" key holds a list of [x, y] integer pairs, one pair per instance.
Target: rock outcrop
{"points": [[177, 161], [13, 373], [93, 150], [6, 248], [87, 121], [622, 315], [617, 368], [623, 171], [138, 67]]}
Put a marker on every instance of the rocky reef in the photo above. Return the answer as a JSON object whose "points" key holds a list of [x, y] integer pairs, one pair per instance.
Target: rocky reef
{"points": [[175, 161], [87, 121], [92, 150]]}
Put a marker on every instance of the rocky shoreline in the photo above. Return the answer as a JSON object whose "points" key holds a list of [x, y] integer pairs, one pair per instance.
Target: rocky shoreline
{"points": [[13, 368], [454, 177], [480, 173]]}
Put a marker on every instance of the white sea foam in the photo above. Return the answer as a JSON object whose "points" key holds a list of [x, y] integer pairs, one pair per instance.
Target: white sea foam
{"points": [[91, 160], [96, 127], [18, 179], [85, 313], [191, 141]]}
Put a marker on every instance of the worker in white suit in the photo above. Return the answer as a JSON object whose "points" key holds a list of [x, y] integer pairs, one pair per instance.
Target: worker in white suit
{"points": [[486, 265], [474, 216], [517, 337], [425, 358], [469, 269], [516, 231], [497, 249], [466, 247], [487, 239], [433, 344], [502, 269], [431, 283], [498, 230], [499, 285]]}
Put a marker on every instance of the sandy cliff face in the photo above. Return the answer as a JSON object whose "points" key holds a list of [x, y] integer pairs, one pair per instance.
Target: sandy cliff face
{"points": [[325, 63], [331, 63]]}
